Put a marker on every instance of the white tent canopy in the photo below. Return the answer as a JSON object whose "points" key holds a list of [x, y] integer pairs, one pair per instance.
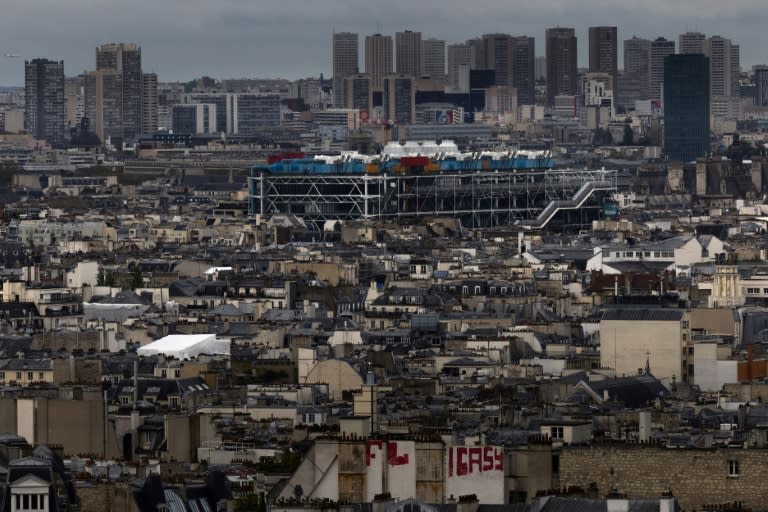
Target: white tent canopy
{"points": [[185, 346]]}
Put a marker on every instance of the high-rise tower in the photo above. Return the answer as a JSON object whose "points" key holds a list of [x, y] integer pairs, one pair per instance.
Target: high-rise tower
{"points": [[44, 97], [603, 52], [761, 86], [459, 56], [561, 62], [378, 59], [433, 59], [724, 66], [524, 69], [660, 49], [691, 42], [408, 53], [637, 67], [497, 52], [125, 60], [345, 63], [149, 103], [686, 106]]}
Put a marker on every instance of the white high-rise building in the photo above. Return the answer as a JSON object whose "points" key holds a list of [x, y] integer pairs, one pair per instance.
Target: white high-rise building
{"points": [[378, 59], [660, 48], [692, 42], [724, 67]]}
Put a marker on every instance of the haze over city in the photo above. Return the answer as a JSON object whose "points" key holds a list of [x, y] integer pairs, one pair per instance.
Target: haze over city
{"points": [[395, 256], [291, 39]]}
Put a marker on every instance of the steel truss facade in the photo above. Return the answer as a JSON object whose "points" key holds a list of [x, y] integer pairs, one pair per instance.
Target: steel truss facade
{"points": [[479, 198]]}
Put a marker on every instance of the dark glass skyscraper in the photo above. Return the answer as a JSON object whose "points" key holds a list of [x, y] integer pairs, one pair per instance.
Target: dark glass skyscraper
{"points": [[524, 69], [603, 51], [561, 63], [761, 86], [686, 106]]}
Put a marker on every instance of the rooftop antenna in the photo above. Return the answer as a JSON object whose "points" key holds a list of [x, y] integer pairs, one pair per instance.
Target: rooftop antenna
{"points": [[378, 27]]}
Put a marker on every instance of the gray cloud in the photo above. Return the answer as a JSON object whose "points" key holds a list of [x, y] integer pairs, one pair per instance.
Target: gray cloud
{"points": [[291, 38]]}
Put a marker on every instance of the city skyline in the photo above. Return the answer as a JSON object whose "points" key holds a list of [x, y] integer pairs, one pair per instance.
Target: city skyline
{"points": [[184, 47]]}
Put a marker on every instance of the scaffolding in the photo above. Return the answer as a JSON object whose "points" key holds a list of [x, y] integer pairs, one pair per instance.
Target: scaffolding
{"points": [[479, 198]]}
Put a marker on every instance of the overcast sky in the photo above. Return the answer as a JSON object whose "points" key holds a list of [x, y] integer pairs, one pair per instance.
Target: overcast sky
{"points": [[182, 40]]}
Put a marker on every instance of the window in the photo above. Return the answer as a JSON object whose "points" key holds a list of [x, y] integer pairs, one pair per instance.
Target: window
{"points": [[2, 375], [733, 468], [177, 373], [41, 376], [18, 375], [557, 432], [30, 376]]}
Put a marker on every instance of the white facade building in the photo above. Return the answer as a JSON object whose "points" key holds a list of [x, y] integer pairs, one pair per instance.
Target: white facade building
{"points": [[676, 254]]}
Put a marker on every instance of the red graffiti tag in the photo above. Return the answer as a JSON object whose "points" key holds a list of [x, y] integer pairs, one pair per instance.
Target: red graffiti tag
{"points": [[369, 455], [392, 456], [476, 459]]}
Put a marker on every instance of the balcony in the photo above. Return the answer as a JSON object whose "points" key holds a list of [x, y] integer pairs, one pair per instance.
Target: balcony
{"points": [[58, 297]]}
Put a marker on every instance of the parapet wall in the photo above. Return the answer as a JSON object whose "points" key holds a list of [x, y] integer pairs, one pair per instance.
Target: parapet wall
{"points": [[695, 477]]}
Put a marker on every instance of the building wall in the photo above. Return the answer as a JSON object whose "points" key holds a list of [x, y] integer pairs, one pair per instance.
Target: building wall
{"points": [[626, 345], [717, 321], [356, 470], [710, 374], [339, 376], [182, 437], [476, 470], [77, 425], [8, 422], [695, 477], [529, 469], [25, 419], [115, 497]]}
